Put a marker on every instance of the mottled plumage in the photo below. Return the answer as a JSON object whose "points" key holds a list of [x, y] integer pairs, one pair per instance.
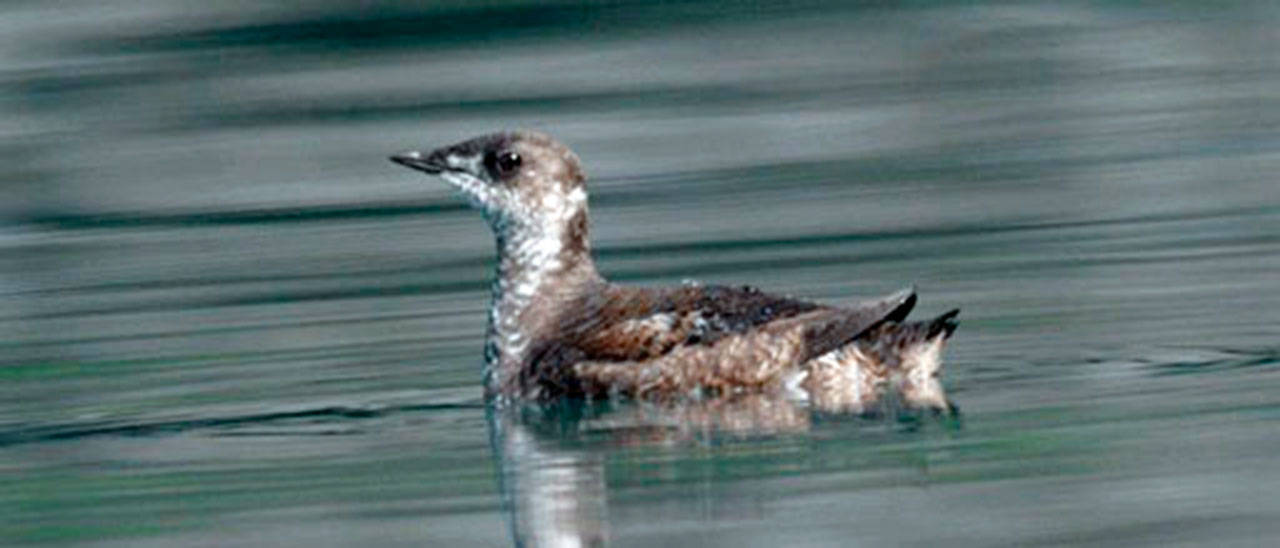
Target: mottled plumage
{"points": [[557, 328]]}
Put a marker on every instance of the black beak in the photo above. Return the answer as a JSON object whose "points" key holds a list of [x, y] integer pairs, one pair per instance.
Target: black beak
{"points": [[428, 163]]}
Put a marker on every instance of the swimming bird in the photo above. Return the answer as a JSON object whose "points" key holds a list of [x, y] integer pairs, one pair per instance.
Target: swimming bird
{"points": [[557, 328]]}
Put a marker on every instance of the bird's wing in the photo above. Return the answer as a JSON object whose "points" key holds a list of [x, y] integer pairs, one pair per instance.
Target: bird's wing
{"points": [[656, 341], [827, 332], [637, 324]]}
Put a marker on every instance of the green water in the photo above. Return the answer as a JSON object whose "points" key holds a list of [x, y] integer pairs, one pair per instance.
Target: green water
{"points": [[227, 320]]}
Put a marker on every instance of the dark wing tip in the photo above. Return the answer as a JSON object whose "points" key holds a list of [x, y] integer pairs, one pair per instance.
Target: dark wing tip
{"points": [[906, 299], [844, 324]]}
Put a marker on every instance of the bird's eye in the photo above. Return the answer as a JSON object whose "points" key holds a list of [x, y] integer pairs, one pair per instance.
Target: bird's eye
{"points": [[504, 163]]}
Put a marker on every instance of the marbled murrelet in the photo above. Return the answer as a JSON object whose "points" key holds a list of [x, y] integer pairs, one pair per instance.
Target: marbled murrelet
{"points": [[557, 328]]}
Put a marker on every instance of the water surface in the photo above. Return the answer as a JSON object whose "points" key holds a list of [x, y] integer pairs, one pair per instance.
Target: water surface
{"points": [[226, 319]]}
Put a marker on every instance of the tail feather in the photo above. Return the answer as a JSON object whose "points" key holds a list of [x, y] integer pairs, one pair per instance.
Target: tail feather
{"points": [[898, 337], [945, 324], [911, 355]]}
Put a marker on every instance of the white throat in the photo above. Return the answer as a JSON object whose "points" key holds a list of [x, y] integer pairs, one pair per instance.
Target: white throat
{"points": [[532, 266]]}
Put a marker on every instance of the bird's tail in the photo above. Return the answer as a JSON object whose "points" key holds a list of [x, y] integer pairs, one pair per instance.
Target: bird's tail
{"points": [[912, 355]]}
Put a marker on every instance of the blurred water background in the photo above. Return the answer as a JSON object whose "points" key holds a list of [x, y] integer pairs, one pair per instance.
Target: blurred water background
{"points": [[227, 319]]}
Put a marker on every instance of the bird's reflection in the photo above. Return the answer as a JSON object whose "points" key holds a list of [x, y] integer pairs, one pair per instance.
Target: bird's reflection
{"points": [[552, 457], [554, 495]]}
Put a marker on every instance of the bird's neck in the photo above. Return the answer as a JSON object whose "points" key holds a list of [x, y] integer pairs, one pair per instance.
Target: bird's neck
{"points": [[540, 269]]}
